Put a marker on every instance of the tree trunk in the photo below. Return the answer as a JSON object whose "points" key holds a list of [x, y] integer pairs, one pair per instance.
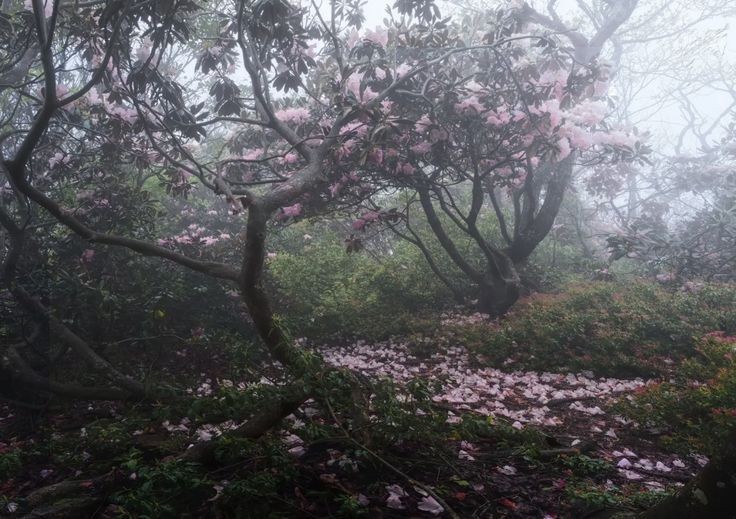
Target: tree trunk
{"points": [[497, 297], [500, 288]]}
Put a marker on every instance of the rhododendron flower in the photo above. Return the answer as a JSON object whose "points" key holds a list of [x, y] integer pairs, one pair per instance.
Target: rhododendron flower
{"points": [[402, 70], [128, 115], [144, 51], [297, 451], [624, 464], [430, 504], [395, 493], [87, 256], [292, 210], [588, 113], [379, 36], [376, 156], [421, 148], [61, 90], [408, 169], [470, 105], [297, 115], [422, 124], [507, 470], [290, 158], [58, 158]]}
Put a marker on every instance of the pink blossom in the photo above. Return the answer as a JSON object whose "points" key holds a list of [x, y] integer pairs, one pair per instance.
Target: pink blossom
{"points": [[519, 115], [395, 493], [438, 134], [335, 189], [253, 155], [128, 115], [422, 124], [379, 36], [58, 158], [421, 148], [297, 451], [579, 137], [87, 256], [552, 107], [408, 169], [507, 470], [61, 90], [376, 156], [563, 145], [471, 103], [290, 158], [93, 97], [552, 77], [474, 87], [292, 210], [616, 138], [430, 504], [296, 115], [352, 39], [588, 113], [144, 51]]}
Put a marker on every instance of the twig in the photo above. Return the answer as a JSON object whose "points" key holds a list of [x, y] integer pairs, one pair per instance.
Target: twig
{"points": [[395, 469]]}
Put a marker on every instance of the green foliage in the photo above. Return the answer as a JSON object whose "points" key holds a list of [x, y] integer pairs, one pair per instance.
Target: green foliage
{"points": [[585, 466], [10, 463], [170, 489], [637, 329], [589, 498], [324, 291], [697, 409]]}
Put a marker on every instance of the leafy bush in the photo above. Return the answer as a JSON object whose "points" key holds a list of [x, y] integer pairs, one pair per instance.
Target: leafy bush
{"points": [[323, 291], [638, 329], [697, 408]]}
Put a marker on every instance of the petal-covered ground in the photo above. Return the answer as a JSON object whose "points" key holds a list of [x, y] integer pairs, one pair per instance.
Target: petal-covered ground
{"points": [[574, 408]]}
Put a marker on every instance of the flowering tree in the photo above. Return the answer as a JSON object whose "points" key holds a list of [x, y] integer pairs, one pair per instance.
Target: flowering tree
{"points": [[300, 112], [494, 133]]}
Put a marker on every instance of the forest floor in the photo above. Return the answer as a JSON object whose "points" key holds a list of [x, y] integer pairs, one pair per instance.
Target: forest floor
{"points": [[502, 442]]}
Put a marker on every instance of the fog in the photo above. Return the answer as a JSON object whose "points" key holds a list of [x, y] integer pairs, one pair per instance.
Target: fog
{"points": [[355, 258]]}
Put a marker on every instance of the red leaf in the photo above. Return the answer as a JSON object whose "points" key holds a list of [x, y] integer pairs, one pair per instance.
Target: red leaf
{"points": [[508, 503]]}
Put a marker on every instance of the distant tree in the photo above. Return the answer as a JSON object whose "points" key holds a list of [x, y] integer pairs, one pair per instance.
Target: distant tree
{"points": [[684, 227]]}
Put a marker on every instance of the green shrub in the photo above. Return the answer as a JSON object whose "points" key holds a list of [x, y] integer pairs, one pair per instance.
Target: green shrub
{"points": [[322, 290], [637, 329], [696, 409]]}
